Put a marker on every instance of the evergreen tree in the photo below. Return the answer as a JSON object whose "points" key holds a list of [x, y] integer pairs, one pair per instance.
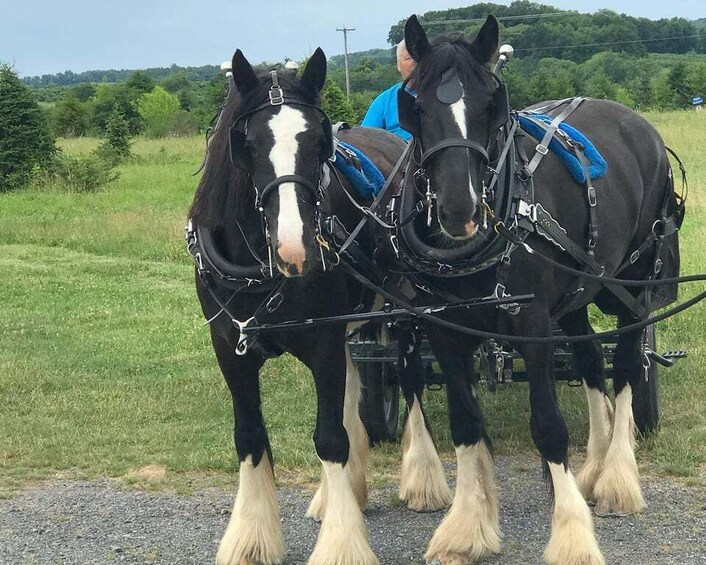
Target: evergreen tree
{"points": [[25, 141], [116, 147], [335, 104]]}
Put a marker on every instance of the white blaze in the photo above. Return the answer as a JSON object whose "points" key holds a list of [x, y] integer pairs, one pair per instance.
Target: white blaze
{"points": [[285, 126], [458, 110]]}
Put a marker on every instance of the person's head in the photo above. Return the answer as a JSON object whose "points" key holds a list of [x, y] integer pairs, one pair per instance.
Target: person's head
{"points": [[405, 63]]}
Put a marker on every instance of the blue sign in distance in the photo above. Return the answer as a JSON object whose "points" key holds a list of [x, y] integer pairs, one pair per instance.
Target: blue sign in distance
{"points": [[697, 100]]}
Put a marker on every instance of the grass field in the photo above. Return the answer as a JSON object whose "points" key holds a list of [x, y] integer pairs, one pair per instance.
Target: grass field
{"points": [[106, 368]]}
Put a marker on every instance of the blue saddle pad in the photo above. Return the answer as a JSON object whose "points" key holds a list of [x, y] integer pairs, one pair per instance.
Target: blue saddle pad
{"points": [[598, 165], [367, 181]]}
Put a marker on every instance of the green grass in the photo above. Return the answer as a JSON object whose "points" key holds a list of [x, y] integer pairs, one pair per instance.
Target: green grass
{"points": [[106, 368]]}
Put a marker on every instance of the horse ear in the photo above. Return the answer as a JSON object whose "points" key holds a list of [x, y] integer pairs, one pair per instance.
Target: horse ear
{"points": [[415, 38], [314, 75], [485, 44], [243, 73]]}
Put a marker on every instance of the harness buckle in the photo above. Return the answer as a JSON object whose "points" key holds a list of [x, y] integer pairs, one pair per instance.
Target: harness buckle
{"points": [[592, 197], [199, 262], [634, 256], [276, 96], [541, 149], [395, 245]]}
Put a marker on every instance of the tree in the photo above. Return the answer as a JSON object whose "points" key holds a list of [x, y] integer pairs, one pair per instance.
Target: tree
{"points": [[159, 110], [335, 104], [107, 97], [69, 117], [25, 141], [678, 83], [116, 147]]}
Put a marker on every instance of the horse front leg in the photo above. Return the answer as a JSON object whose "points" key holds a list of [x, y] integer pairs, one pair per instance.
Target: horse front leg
{"points": [[343, 538], [617, 490], [359, 446], [254, 535], [423, 483], [572, 540], [588, 362], [471, 529]]}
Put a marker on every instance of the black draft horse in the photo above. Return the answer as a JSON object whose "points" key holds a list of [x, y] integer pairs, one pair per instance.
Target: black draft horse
{"points": [[243, 218], [630, 197]]}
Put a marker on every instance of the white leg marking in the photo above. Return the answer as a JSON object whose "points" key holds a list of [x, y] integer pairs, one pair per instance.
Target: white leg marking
{"points": [[254, 534], [618, 488], [600, 416], [317, 506], [423, 483], [285, 125], [572, 541], [358, 454], [471, 529], [343, 539], [357, 436]]}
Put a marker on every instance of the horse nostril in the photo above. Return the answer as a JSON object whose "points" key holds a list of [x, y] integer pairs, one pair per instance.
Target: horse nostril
{"points": [[471, 228]]}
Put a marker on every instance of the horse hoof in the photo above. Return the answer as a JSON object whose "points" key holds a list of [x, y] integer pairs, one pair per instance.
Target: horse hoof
{"points": [[451, 559]]}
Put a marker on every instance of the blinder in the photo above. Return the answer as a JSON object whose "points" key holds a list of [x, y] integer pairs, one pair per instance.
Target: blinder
{"points": [[450, 89], [239, 154], [407, 112], [500, 106]]}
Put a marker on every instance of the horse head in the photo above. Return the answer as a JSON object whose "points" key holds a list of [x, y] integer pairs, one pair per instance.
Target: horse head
{"points": [[453, 118], [282, 139]]}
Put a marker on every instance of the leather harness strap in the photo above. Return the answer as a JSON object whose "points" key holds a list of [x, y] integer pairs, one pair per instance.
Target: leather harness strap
{"points": [[543, 146]]}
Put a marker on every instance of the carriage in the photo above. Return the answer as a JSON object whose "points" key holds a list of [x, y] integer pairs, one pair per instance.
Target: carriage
{"points": [[494, 366]]}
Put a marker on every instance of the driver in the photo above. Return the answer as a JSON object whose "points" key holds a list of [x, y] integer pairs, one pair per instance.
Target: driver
{"points": [[382, 112]]}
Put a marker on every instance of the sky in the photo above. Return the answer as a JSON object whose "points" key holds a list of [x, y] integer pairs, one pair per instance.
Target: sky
{"points": [[47, 37]]}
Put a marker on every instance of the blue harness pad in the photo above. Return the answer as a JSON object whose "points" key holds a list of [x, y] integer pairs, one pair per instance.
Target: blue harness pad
{"points": [[598, 165], [367, 182]]}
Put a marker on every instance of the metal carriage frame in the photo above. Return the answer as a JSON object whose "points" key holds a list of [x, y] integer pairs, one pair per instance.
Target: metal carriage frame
{"points": [[495, 365]]}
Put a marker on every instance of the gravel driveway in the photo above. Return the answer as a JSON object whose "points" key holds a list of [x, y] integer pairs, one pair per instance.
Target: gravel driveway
{"points": [[72, 522]]}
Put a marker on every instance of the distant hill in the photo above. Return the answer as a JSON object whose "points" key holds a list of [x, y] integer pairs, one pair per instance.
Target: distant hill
{"points": [[535, 30], [380, 56], [69, 78]]}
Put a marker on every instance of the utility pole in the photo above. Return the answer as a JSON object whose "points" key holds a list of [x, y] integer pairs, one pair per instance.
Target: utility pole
{"points": [[345, 31]]}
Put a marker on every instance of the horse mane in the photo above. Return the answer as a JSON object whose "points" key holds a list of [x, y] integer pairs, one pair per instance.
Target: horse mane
{"points": [[224, 189], [451, 52]]}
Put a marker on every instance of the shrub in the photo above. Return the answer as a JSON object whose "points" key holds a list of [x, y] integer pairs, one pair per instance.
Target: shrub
{"points": [[79, 174]]}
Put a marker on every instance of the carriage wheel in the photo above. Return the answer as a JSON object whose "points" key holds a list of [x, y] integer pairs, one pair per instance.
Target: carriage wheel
{"points": [[645, 400], [379, 400]]}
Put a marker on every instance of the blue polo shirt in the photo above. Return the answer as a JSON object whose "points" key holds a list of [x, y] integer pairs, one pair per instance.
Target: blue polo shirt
{"points": [[383, 113]]}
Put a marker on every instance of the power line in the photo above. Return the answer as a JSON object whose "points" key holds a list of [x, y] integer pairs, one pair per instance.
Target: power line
{"points": [[501, 18], [607, 43]]}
